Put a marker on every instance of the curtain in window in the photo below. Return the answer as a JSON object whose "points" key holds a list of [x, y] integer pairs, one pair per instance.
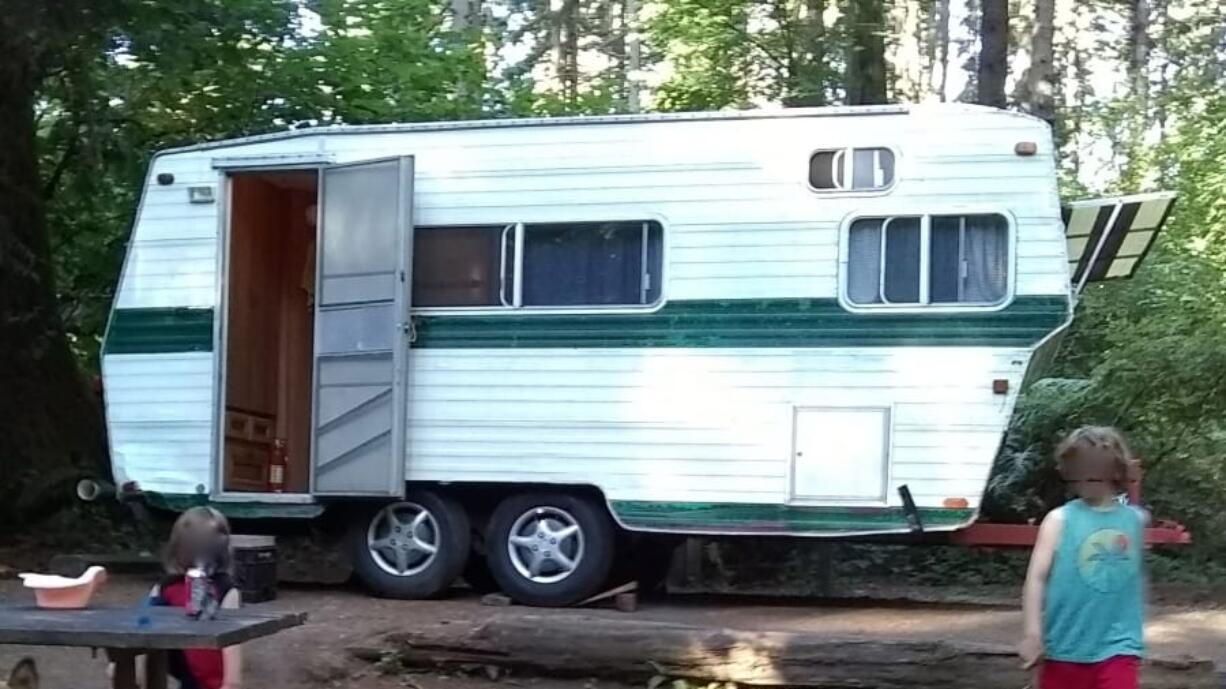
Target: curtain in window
{"points": [[864, 262], [986, 252], [583, 264]]}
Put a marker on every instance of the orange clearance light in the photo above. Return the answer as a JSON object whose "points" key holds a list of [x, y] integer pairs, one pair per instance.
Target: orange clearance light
{"points": [[1026, 148], [956, 503], [1000, 386]]}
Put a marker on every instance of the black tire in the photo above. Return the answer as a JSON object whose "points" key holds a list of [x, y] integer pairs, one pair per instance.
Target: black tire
{"points": [[425, 576], [592, 562]]}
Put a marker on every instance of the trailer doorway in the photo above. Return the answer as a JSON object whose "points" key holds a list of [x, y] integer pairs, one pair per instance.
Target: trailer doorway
{"points": [[269, 328]]}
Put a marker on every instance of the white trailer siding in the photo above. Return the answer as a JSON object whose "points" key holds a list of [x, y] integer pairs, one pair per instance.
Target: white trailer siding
{"points": [[740, 223], [711, 425], [160, 419]]}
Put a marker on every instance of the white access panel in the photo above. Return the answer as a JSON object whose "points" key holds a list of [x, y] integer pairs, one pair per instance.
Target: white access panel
{"points": [[841, 454]]}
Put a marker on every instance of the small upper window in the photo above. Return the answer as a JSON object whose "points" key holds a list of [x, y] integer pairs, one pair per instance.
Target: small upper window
{"points": [[851, 169], [967, 260]]}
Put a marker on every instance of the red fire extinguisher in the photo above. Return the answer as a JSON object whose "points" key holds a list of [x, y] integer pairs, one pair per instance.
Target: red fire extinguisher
{"points": [[277, 465]]}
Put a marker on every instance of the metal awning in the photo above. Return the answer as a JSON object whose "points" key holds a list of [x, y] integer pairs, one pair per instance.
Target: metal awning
{"points": [[1108, 238]]}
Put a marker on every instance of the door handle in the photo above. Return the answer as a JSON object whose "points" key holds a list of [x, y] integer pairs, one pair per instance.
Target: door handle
{"points": [[409, 328]]}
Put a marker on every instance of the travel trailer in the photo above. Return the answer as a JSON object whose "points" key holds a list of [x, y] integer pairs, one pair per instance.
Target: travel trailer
{"points": [[535, 344]]}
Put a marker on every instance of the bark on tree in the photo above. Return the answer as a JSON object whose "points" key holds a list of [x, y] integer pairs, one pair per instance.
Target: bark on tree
{"points": [[993, 53], [565, 38], [865, 77], [1138, 59], [634, 55], [1041, 86], [1138, 79], [50, 422], [808, 87], [466, 20], [636, 650], [941, 40]]}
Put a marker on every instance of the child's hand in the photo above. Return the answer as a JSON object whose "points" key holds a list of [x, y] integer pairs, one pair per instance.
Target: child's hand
{"points": [[1031, 650]]}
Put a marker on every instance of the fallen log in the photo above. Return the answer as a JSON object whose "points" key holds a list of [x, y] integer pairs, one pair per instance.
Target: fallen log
{"points": [[636, 650]]}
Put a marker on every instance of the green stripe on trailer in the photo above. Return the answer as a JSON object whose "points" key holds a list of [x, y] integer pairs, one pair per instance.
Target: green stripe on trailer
{"points": [[159, 331], [717, 518], [748, 323]]}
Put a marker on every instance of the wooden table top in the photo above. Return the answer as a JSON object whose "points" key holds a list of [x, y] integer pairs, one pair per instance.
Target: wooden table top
{"points": [[141, 628]]}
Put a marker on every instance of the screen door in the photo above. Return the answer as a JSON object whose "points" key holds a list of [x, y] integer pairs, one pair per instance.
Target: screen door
{"points": [[361, 328]]}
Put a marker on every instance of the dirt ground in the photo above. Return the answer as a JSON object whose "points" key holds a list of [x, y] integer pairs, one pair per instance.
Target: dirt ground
{"points": [[1181, 623]]}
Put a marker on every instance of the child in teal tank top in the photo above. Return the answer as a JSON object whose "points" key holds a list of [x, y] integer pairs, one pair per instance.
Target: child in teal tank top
{"points": [[1083, 602]]}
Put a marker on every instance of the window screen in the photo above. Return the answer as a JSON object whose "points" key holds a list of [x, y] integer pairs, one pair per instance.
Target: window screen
{"points": [[592, 264], [967, 262], [970, 255], [855, 169], [460, 266], [902, 261]]}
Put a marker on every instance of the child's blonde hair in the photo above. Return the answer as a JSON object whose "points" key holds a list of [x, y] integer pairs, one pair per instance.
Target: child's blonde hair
{"points": [[1101, 442], [194, 530]]}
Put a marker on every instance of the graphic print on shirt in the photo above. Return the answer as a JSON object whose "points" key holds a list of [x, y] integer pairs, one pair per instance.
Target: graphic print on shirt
{"points": [[1106, 561]]}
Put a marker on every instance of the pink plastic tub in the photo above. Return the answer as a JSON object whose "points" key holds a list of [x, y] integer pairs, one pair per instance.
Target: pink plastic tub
{"points": [[62, 593]]}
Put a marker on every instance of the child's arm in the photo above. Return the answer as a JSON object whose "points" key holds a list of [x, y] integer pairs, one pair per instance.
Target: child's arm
{"points": [[232, 656], [1036, 584]]}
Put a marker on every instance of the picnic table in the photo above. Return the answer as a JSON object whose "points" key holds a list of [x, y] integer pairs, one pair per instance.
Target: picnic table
{"points": [[128, 633]]}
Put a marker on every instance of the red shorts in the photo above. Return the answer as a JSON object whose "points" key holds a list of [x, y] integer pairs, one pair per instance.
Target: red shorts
{"points": [[1119, 672]]}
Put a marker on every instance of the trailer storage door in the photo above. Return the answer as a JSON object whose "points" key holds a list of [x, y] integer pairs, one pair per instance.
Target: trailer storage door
{"points": [[361, 328], [841, 454]]}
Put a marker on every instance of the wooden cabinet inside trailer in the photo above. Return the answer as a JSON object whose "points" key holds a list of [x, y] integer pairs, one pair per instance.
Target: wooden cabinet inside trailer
{"points": [[269, 327]]}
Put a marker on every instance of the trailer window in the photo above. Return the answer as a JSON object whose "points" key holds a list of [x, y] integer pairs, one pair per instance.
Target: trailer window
{"points": [[966, 261], [970, 259], [459, 266], [851, 169], [591, 264]]}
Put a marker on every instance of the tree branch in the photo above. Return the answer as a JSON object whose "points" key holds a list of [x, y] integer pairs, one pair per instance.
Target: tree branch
{"points": [[57, 173], [781, 65]]}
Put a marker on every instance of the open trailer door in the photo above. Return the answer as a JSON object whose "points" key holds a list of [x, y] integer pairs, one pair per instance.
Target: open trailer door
{"points": [[1108, 238], [361, 328]]}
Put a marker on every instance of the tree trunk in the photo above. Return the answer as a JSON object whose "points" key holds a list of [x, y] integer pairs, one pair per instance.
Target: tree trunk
{"points": [[1138, 58], [565, 38], [808, 87], [466, 20], [865, 76], [1138, 79], [635, 650], [634, 56], [1041, 87], [50, 423], [942, 46], [464, 14], [993, 53]]}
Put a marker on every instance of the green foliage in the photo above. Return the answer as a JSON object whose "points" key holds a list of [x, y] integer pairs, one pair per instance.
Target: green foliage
{"points": [[384, 61], [182, 72], [1149, 356], [731, 53]]}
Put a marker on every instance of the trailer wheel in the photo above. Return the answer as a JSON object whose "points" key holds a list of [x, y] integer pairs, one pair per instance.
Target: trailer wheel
{"points": [[413, 548], [550, 549]]}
